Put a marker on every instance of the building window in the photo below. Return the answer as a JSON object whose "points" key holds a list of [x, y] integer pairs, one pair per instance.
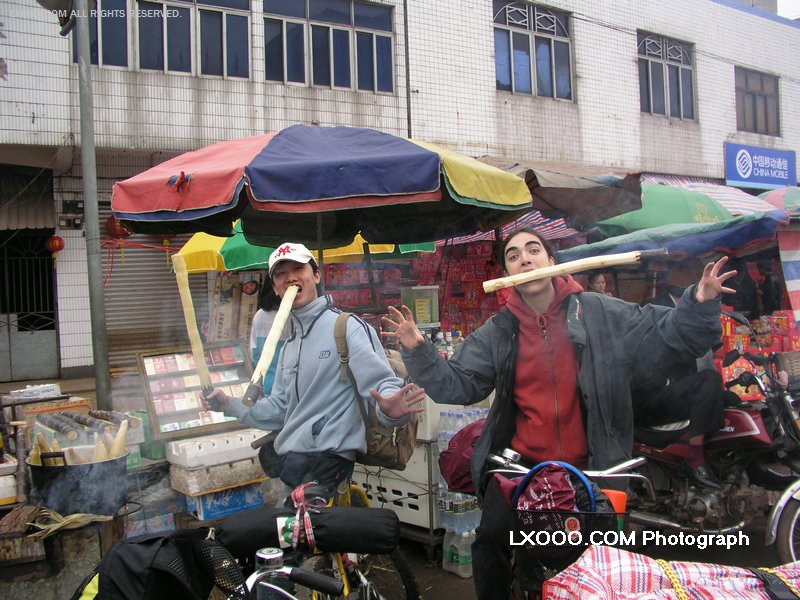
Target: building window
{"points": [[329, 43], [108, 43], [757, 106], [224, 39], [666, 85], [532, 50], [165, 37]]}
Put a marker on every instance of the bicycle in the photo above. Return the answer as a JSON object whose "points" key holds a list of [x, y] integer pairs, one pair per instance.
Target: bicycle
{"points": [[350, 542], [565, 533]]}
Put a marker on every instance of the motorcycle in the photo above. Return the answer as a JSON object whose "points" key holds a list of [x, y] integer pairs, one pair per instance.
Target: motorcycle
{"points": [[756, 456]]}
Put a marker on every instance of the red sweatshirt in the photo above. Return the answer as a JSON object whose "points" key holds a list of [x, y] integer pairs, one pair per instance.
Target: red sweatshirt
{"points": [[549, 424]]}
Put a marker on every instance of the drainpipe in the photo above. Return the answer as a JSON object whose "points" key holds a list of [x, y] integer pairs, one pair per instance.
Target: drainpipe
{"points": [[408, 69]]}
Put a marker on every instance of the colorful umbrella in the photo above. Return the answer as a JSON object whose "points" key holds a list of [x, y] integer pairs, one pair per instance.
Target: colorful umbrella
{"points": [[739, 236], [786, 197], [580, 194], [204, 252], [665, 205], [321, 185]]}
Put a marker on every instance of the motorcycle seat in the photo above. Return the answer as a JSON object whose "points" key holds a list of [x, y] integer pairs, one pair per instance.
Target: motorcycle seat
{"points": [[660, 436]]}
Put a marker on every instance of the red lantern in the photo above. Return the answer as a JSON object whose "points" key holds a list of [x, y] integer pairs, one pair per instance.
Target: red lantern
{"points": [[54, 245], [116, 229], [165, 238]]}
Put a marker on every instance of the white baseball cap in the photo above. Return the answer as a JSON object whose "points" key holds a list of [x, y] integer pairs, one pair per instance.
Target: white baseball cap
{"points": [[295, 252]]}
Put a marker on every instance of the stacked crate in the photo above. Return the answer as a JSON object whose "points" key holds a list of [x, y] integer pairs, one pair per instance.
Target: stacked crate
{"points": [[218, 474]]}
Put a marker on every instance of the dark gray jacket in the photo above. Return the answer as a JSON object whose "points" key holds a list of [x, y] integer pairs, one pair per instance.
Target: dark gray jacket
{"points": [[608, 333]]}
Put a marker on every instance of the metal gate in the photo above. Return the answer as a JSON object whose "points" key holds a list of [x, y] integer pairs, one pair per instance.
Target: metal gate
{"points": [[28, 344]]}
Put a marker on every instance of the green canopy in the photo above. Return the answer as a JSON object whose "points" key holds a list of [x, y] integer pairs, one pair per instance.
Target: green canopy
{"points": [[666, 205]]}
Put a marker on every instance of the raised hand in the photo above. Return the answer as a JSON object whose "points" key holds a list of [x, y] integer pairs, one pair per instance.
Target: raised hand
{"points": [[403, 402], [711, 283], [400, 326]]}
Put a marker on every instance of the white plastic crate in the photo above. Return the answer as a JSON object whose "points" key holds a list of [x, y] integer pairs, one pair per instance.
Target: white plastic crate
{"points": [[216, 449], [410, 493]]}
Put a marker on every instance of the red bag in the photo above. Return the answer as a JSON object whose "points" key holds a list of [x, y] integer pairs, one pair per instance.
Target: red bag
{"points": [[455, 462]]}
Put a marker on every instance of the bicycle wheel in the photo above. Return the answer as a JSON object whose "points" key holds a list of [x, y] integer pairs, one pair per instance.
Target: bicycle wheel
{"points": [[387, 577], [321, 563], [377, 577]]}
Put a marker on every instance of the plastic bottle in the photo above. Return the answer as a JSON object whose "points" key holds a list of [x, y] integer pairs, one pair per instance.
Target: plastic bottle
{"points": [[458, 512], [457, 339], [450, 557], [460, 421], [442, 439], [442, 505], [464, 549], [448, 344], [451, 425], [440, 344]]}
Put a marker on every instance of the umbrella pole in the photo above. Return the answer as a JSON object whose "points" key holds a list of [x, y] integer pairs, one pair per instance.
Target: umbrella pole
{"points": [[320, 253], [370, 275]]}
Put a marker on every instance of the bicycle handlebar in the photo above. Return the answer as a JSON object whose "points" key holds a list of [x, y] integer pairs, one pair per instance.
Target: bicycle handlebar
{"points": [[310, 579]]}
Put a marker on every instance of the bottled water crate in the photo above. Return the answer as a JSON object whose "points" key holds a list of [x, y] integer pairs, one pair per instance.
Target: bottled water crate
{"points": [[429, 419], [411, 493]]}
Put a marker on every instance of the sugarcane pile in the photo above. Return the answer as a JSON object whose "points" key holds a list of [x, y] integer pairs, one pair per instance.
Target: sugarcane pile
{"points": [[104, 434]]}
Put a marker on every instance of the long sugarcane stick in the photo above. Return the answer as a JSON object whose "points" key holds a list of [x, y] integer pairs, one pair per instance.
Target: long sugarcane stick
{"points": [[576, 266], [255, 388], [182, 276]]}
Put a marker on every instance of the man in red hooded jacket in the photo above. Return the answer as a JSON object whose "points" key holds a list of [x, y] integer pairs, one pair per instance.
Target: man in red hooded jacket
{"points": [[560, 363]]}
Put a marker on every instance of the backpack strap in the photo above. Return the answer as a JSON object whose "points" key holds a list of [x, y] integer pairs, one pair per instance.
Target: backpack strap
{"points": [[340, 335]]}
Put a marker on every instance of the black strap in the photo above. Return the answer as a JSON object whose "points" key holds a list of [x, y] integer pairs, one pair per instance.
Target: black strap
{"points": [[774, 587]]}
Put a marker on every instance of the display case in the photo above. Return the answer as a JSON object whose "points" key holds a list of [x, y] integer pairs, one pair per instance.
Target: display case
{"points": [[171, 385]]}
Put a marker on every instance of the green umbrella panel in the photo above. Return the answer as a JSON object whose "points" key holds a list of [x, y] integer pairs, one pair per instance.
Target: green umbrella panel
{"points": [[204, 252], [666, 205]]}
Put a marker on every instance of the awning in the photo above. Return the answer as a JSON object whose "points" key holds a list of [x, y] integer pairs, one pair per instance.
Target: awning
{"points": [[580, 194], [734, 199], [789, 246], [26, 198]]}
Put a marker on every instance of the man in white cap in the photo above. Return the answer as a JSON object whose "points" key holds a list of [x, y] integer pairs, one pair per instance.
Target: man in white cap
{"points": [[321, 427]]}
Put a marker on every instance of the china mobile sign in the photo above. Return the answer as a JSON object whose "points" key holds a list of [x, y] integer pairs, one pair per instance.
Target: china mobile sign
{"points": [[761, 168]]}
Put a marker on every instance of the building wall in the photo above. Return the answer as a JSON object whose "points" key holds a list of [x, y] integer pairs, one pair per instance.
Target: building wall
{"points": [[141, 118]]}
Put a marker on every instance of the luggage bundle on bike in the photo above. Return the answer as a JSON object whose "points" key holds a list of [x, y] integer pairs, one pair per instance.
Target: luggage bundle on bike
{"points": [[558, 513]]}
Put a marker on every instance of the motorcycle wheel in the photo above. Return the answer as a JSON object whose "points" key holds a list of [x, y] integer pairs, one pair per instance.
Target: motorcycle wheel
{"points": [[386, 577], [788, 538]]}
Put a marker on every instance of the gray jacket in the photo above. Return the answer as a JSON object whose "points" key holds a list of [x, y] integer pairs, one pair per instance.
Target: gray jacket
{"points": [[608, 333]]}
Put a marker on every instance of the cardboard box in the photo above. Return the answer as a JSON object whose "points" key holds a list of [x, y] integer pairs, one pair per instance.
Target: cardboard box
{"points": [[140, 524], [150, 448], [47, 390], [134, 460], [28, 412], [225, 502]]}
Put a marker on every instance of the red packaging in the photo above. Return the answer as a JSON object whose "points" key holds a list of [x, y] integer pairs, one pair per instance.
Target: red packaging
{"points": [[732, 371]]}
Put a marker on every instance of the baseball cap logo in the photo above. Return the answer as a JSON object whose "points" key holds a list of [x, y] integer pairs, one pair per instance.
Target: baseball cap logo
{"points": [[284, 250]]}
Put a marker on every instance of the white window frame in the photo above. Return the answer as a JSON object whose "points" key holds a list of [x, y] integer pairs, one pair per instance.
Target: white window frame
{"points": [[199, 9], [531, 33], [193, 51], [352, 31]]}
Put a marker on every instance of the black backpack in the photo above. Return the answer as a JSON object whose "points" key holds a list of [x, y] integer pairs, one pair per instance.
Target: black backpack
{"points": [[184, 565]]}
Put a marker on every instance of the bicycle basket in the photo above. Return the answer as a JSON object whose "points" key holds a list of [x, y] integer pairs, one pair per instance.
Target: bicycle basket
{"points": [[558, 537]]}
